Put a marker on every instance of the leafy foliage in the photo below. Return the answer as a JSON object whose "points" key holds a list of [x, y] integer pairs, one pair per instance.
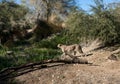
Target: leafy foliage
{"points": [[11, 11], [10, 20], [28, 55], [101, 24]]}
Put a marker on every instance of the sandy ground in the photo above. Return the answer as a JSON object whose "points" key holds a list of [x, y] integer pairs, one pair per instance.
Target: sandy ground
{"points": [[103, 71]]}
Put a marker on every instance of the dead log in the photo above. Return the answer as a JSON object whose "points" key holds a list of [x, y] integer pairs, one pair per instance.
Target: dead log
{"points": [[16, 71], [116, 51], [114, 55], [84, 55]]}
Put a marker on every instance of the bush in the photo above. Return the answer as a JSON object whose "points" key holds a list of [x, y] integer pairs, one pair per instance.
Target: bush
{"points": [[52, 41], [84, 27], [27, 55]]}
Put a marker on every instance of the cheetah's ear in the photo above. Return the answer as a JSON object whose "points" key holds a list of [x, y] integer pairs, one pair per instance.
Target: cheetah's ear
{"points": [[59, 45]]}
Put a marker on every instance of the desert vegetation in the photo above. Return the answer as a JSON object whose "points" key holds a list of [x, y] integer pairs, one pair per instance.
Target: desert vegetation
{"points": [[32, 29]]}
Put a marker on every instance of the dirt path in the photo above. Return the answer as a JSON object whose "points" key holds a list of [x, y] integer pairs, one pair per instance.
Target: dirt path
{"points": [[107, 72]]}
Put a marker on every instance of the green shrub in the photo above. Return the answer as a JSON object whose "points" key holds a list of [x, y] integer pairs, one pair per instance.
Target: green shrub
{"points": [[83, 27], [26, 56]]}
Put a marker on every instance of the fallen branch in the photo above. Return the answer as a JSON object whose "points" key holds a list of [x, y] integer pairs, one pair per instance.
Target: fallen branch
{"points": [[83, 55], [116, 51], [16, 71], [114, 55]]}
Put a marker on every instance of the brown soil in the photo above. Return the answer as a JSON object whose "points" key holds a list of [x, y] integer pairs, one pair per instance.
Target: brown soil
{"points": [[103, 71]]}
